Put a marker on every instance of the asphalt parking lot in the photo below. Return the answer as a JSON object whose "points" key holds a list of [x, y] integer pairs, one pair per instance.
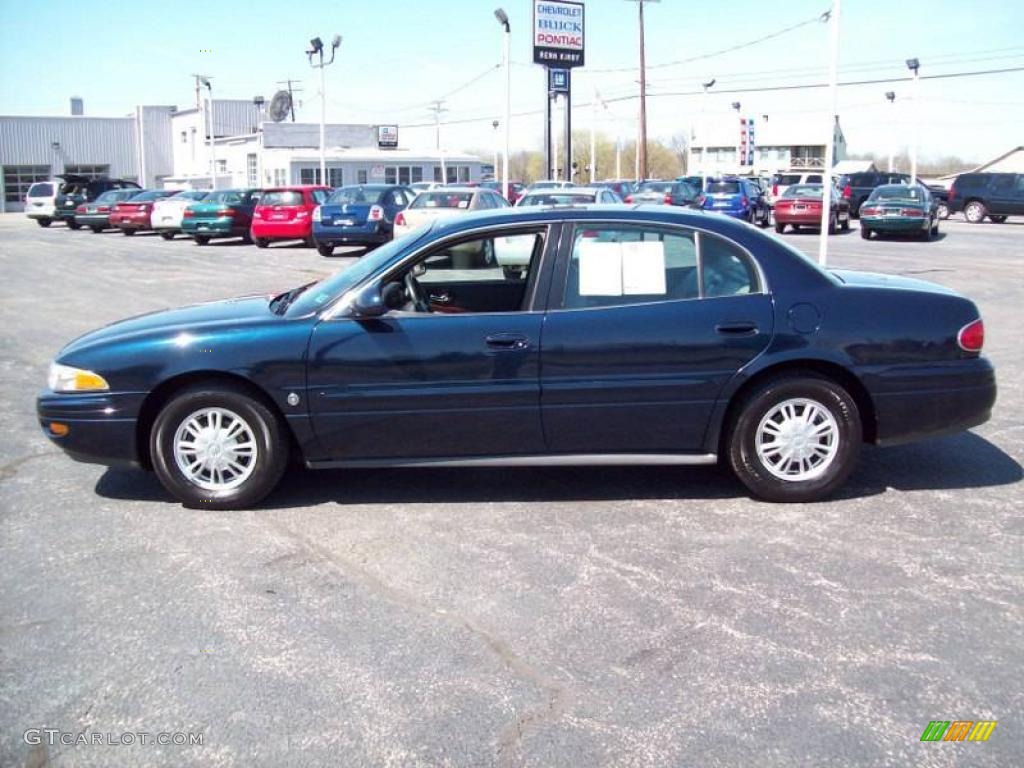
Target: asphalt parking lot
{"points": [[526, 617]]}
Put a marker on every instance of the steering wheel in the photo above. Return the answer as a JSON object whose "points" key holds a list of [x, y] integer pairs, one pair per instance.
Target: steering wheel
{"points": [[412, 288]]}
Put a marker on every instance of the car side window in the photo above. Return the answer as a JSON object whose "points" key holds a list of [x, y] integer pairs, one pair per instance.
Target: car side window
{"points": [[1003, 184], [725, 269]]}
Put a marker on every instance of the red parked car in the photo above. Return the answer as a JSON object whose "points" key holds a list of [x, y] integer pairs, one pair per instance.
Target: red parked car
{"points": [[800, 206], [286, 213], [133, 215]]}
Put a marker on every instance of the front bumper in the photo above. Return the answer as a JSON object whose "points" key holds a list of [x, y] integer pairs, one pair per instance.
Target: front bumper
{"points": [[101, 426], [913, 402]]}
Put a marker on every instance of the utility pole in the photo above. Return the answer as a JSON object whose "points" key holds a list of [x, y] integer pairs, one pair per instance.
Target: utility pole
{"points": [[291, 97], [437, 107], [914, 65], [833, 92], [641, 149], [891, 96], [206, 115], [316, 48]]}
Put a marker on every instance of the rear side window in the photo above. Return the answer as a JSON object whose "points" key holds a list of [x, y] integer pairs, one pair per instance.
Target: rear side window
{"points": [[863, 179], [725, 269], [286, 197], [43, 189]]}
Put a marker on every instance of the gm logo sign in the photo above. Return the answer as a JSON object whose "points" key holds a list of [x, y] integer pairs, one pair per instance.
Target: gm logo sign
{"points": [[959, 730]]}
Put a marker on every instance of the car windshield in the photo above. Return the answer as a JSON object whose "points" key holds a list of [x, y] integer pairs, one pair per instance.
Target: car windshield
{"points": [[191, 194], [347, 195], [43, 189], [804, 190], [145, 197], [898, 192], [442, 199], [660, 188], [319, 295], [282, 197], [112, 196], [224, 196], [724, 188], [785, 179], [558, 198]]}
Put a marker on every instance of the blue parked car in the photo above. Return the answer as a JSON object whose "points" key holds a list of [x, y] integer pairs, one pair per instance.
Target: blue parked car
{"points": [[737, 197], [646, 335], [358, 215]]}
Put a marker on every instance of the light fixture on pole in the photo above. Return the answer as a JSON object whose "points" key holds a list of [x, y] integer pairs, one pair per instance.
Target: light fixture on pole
{"points": [[316, 48], [502, 18], [213, 153], [827, 192], [703, 135], [739, 162], [914, 66], [891, 97]]}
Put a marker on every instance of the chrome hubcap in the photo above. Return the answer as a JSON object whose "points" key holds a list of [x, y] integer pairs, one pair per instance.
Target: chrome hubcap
{"points": [[797, 440], [215, 449]]}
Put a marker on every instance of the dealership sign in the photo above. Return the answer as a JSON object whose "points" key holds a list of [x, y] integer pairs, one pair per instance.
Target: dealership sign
{"points": [[387, 136], [558, 33]]}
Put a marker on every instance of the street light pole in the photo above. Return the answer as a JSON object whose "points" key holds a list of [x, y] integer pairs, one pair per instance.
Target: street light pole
{"points": [[703, 136], [495, 124], [891, 96], [213, 152], [914, 66], [317, 49], [736, 105], [833, 92], [502, 18]]}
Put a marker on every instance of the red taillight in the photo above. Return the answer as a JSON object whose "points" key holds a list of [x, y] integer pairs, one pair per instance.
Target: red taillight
{"points": [[629, 199], [376, 213], [668, 199], [257, 214], [972, 336], [104, 209], [868, 211], [224, 212], [847, 191], [744, 202], [188, 214], [400, 219], [80, 209], [913, 213], [775, 190], [952, 192]]}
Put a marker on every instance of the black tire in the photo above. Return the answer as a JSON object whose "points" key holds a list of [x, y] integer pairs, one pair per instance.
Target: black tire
{"points": [[309, 242], [997, 219], [865, 232], [845, 224], [96, 230], [824, 393], [780, 228], [832, 226], [128, 232], [975, 211], [247, 238], [201, 239], [44, 222], [325, 250], [261, 242], [74, 225], [167, 235], [942, 211], [271, 452]]}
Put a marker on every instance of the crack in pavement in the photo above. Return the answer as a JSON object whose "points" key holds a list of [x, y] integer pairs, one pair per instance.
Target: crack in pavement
{"points": [[557, 693], [10, 469]]}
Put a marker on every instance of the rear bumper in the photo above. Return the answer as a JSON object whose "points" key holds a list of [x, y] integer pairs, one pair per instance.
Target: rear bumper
{"points": [[881, 224], [93, 219], [47, 212], [130, 221], [921, 401], [282, 230], [372, 233], [101, 427], [810, 219], [213, 228]]}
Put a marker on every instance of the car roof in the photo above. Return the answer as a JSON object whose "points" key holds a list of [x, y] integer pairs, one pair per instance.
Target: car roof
{"points": [[567, 191]]}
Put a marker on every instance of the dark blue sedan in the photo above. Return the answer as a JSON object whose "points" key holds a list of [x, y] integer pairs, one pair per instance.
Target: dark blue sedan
{"points": [[358, 215], [628, 335]]}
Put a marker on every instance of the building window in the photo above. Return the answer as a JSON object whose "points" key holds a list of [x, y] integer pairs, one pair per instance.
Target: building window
{"points": [[417, 174], [89, 171], [18, 178], [335, 177], [309, 175], [404, 173], [362, 177], [251, 172], [184, 137], [390, 174], [463, 174], [437, 173], [222, 166], [280, 177]]}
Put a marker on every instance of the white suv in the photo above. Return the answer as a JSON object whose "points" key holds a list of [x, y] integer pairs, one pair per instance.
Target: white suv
{"points": [[782, 181], [39, 202]]}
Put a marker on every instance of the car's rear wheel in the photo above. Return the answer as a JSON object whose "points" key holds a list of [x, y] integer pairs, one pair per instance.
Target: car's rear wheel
{"points": [[44, 222], [865, 232], [325, 250], [261, 242], [128, 232], [942, 211], [795, 439], [201, 239], [216, 447], [96, 230], [997, 219], [975, 211], [832, 224], [780, 228], [167, 235], [74, 225], [845, 224], [309, 242]]}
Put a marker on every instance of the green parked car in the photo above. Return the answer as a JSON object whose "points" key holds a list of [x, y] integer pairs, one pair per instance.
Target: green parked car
{"points": [[903, 209], [222, 213]]}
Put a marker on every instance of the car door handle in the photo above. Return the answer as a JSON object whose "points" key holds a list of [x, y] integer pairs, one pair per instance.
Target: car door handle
{"points": [[738, 328], [440, 298], [507, 341]]}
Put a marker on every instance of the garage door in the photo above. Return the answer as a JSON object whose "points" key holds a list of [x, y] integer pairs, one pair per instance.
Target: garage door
{"points": [[17, 179]]}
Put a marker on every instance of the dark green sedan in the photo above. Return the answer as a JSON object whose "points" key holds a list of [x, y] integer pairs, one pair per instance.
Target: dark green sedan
{"points": [[900, 209], [222, 213]]}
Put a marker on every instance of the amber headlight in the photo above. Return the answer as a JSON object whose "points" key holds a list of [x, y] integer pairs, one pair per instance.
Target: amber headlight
{"points": [[64, 378]]}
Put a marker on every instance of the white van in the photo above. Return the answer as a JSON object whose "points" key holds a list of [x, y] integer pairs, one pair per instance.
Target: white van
{"points": [[39, 202]]}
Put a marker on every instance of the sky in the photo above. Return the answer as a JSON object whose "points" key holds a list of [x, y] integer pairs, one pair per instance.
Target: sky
{"points": [[398, 56]]}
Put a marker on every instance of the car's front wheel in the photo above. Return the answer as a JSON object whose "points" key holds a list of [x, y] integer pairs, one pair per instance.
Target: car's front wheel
{"points": [[795, 439], [216, 447]]}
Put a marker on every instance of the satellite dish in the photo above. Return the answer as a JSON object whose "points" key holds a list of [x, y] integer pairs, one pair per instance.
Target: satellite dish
{"points": [[280, 106]]}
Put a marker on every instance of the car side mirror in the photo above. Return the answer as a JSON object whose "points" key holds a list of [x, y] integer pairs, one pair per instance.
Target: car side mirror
{"points": [[369, 302]]}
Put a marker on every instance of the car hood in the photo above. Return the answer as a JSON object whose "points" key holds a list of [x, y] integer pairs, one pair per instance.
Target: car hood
{"points": [[192, 319], [898, 282]]}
